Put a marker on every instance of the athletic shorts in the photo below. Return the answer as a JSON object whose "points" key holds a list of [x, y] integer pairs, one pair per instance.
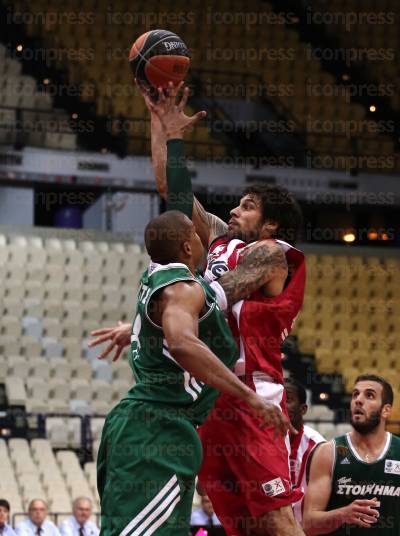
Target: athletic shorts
{"points": [[245, 469], [146, 472]]}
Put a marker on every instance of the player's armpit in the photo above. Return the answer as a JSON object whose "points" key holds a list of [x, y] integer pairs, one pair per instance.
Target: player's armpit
{"points": [[208, 226], [260, 264]]}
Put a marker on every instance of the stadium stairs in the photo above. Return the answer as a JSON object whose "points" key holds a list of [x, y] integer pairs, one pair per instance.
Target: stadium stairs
{"points": [[233, 117], [36, 64], [346, 72]]}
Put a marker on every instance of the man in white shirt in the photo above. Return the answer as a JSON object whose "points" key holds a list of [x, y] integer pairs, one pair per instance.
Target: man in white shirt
{"points": [[205, 515], [304, 443], [37, 524], [5, 529], [79, 523]]}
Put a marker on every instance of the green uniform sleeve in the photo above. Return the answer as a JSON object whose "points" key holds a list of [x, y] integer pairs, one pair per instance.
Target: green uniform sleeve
{"points": [[180, 194]]}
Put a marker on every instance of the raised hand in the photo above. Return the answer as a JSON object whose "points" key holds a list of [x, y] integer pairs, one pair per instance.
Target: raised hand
{"points": [[170, 111]]}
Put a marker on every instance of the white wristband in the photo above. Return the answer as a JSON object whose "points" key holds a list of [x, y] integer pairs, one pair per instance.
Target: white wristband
{"points": [[221, 296]]}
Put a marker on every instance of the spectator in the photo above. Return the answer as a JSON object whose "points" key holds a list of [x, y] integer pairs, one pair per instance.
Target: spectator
{"points": [[205, 515], [37, 524], [78, 524], [5, 529]]}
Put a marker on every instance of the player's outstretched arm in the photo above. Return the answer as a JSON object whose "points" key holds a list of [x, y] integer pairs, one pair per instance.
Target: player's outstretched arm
{"points": [[168, 124], [260, 264], [181, 305], [158, 145], [316, 520]]}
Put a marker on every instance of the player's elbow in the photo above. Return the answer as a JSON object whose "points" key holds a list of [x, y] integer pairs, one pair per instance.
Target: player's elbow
{"points": [[305, 523], [179, 347]]}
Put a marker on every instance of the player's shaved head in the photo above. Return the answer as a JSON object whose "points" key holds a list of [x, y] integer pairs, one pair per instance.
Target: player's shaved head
{"points": [[165, 235]]}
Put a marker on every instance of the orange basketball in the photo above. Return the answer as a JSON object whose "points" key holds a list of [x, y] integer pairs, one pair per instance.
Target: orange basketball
{"points": [[158, 57]]}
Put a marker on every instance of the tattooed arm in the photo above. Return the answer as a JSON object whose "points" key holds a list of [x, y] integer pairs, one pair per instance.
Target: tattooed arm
{"points": [[208, 226], [263, 263]]}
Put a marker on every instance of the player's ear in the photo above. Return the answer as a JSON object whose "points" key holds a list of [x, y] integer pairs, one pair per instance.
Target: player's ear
{"points": [[304, 409], [269, 228], [187, 248], [386, 411]]}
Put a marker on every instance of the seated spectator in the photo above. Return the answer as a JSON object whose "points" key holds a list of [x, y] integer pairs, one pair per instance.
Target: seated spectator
{"points": [[205, 515], [78, 524], [5, 529], [37, 524]]}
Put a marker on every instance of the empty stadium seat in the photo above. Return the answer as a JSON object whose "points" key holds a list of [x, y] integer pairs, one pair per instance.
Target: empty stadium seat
{"points": [[15, 391], [319, 412]]}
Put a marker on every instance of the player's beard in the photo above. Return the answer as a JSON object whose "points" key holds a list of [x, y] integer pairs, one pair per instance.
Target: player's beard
{"points": [[369, 425], [246, 236]]}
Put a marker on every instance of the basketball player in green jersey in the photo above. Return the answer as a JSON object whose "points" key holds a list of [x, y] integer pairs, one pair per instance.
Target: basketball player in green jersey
{"points": [[150, 451], [355, 479]]}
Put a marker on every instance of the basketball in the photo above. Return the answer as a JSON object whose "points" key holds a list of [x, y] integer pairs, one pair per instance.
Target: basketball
{"points": [[158, 57]]}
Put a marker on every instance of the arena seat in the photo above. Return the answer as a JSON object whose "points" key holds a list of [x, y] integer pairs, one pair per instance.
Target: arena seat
{"points": [[364, 36], [303, 71], [32, 471], [319, 412], [46, 370], [57, 432], [15, 390], [34, 107], [327, 430], [50, 322]]}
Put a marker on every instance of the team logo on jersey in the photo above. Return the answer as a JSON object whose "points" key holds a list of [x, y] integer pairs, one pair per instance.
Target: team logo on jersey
{"points": [[345, 461], [342, 450], [273, 487], [216, 253], [345, 486], [392, 467], [218, 268]]}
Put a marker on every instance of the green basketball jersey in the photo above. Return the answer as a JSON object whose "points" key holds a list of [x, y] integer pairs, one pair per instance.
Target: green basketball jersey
{"points": [[160, 380], [354, 479]]}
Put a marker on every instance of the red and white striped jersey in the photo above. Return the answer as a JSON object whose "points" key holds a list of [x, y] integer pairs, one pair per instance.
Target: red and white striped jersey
{"points": [[302, 446], [259, 323]]}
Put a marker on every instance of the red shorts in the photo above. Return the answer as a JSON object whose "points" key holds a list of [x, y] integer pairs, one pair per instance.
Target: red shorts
{"points": [[245, 469]]}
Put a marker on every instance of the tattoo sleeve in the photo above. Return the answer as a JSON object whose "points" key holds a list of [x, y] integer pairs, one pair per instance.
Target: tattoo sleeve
{"points": [[258, 267], [207, 225]]}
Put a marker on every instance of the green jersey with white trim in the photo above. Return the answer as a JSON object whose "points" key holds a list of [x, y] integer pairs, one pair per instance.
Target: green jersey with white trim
{"points": [[353, 478], [160, 380]]}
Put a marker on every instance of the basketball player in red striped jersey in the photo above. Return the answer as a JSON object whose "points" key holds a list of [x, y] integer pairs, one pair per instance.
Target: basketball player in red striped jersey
{"points": [[304, 443], [245, 469]]}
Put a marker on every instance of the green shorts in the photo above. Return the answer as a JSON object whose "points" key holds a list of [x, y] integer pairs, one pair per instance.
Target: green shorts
{"points": [[146, 471]]}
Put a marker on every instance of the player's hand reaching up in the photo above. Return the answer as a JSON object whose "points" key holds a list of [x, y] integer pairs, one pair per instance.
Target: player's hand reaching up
{"points": [[119, 335], [271, 415], [170, 110]]}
